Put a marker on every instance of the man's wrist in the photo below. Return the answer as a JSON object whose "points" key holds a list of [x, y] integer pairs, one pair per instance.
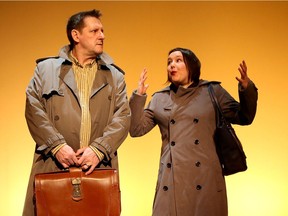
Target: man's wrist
{"points": [[57, 148], [98, 153]]}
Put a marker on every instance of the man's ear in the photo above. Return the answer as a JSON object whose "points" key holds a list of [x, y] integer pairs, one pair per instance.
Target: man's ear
{"points": [[75, 35]]}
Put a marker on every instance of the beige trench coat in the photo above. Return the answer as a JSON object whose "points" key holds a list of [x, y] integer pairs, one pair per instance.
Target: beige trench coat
{"points": [[190, 180], [53, 113]]}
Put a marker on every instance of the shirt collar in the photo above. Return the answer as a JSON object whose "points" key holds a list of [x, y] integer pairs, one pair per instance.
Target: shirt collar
{"points": [[76, 62]]}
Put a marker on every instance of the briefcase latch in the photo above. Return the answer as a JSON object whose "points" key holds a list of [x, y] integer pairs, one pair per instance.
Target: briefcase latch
{"points": [[76, 193]]}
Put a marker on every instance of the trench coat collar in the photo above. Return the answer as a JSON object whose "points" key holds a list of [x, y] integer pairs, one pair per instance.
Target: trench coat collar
{"points": [[103, 59], [67, 75], [172, 87]]}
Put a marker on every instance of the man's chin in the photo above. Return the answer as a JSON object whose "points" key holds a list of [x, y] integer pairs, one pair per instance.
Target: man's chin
{"points": [[99, 51]]}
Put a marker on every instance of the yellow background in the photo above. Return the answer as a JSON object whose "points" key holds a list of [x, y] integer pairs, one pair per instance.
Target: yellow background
{"points": [[139, 34]]}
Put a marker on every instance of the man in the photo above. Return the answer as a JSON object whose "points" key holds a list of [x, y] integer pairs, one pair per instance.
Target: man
{"points": [[76, 107]]}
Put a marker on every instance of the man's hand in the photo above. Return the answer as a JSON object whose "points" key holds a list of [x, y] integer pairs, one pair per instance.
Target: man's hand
{"points": [[88, 159], [66, 156], [244, 80]]}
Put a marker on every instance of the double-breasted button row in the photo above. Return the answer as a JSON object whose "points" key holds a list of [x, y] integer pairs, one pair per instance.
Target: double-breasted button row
{"points": [[198, 187], [195, 120]]}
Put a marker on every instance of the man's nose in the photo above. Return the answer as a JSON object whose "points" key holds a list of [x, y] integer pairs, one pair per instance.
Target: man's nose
{"points": [[102, 36]]}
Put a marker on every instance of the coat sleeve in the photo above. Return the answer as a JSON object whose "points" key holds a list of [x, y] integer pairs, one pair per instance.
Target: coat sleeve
{"points": [[40, 126], [119, 122], [142, 120], [242, 112]]}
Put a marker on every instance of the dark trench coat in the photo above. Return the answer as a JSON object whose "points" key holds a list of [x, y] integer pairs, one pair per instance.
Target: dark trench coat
{"points": [[190, 180]]}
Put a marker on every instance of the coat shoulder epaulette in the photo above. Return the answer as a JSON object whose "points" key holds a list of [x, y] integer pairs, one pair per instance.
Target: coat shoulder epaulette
{"points": [[118, 68], [107, 67], [45, 58]]}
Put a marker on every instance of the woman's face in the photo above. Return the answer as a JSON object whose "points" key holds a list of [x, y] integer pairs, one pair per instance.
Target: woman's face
{"points": [[177, 71]]}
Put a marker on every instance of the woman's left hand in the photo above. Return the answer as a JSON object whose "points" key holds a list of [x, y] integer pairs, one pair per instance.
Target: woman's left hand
{"points": [[244, 80]]}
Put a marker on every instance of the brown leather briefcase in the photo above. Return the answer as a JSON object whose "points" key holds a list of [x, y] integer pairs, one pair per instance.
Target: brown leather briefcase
{"points": [[74, 193]]}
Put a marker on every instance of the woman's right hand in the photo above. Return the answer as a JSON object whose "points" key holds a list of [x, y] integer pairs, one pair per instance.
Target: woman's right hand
{"points": [[142, 87]]}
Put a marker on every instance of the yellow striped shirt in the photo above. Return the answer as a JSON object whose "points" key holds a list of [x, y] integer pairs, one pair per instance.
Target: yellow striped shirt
{"points": [[84, 77]]}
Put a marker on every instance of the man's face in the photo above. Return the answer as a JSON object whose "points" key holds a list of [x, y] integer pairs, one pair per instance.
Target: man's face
{"points": [[91, 37]]}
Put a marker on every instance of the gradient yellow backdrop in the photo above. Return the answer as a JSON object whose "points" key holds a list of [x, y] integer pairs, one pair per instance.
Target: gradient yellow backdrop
{"points": [[138, 35]]}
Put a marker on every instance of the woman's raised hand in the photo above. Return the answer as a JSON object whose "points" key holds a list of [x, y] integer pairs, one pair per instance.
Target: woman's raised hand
{"points": [[142, 87], [244, 80]]}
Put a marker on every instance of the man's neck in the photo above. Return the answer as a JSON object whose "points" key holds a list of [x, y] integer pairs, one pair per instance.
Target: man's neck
{"points": [[82, 58]]}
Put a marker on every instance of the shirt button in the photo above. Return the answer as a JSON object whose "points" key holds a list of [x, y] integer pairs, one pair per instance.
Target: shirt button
{"points": [[165, 188], [172, 121], [198, 187], [196, 142], [172, 143]]}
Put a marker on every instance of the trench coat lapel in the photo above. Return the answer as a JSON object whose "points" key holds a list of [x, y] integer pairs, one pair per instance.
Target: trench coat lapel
{"points": [[101, 80], [67, 75]]}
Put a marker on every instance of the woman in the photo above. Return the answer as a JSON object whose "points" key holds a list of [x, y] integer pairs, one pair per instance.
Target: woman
{"points": [[190, 180]]}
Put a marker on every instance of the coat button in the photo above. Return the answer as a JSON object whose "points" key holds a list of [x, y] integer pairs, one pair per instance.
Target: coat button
{"points": [[198, 187], [56, 118], [198, 164], [169, 165], [165, 188], [195, 120], [172, 143], [196, 142], [109, 97], [172, 121]]}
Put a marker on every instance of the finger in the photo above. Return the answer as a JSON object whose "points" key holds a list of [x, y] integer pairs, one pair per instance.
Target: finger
{"points": [[242, 72], [70, 161], [65, 165], [238, 79], [143, 74], [80, 151], [85, 165], [75, 161], [145, 87], [90, 170], [244, 65]]}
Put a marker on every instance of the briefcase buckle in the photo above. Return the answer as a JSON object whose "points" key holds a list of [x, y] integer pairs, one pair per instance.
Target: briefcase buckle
{"points": [[76, 193]]}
